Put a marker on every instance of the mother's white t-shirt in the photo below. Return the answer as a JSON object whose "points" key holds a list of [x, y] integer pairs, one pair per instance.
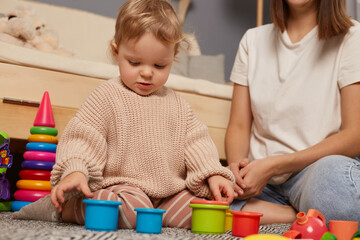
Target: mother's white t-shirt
{"points": [[294, 87]]}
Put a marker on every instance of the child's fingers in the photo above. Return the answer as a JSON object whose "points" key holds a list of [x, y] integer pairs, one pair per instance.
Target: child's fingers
{"points": [[239, 190], [84, 188], [54, 199], [228, 193], [216, 193]]}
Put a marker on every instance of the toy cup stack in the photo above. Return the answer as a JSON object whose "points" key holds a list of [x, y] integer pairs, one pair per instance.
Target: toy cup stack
{"points": [[38, 159]]}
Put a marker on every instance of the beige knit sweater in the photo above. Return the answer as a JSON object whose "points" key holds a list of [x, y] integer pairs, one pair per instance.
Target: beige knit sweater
{"points": [[153, 142]]}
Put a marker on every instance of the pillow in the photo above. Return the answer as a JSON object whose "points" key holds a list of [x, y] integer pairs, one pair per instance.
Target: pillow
{"points": [[180, 65], [207, 67]]}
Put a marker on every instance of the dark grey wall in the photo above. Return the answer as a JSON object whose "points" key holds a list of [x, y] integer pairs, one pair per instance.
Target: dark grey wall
{"points": [[218, 24]]}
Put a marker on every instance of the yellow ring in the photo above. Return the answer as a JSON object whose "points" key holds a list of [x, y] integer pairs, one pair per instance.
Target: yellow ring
{"points": [[42, 138], [33, 185]]}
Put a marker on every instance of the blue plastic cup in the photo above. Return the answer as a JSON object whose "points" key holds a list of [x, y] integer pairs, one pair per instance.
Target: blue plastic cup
{"points": [[101, 215], [149, 220]]}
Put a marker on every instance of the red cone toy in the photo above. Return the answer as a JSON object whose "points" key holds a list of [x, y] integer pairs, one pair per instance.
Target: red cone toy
{"points": [[44, 116]]}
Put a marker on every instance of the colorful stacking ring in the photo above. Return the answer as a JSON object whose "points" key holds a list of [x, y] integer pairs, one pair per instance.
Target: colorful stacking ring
{"points": [[41, 146], [35, 175], [30, 195], [17, 205], [39, 156], [5, 206], [33, 185], [42, 138], [44, 130], [39, 165]]}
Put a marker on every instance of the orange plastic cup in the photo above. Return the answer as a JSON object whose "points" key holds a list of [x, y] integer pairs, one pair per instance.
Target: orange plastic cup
{"points": [[343, 230]]}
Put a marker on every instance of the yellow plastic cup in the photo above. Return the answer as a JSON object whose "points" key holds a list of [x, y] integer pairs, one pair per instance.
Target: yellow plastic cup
{"points": [[228, 220]]}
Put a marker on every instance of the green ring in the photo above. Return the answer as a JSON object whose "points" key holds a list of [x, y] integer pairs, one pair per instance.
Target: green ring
{"points": [[44, 130], [5, 206]]}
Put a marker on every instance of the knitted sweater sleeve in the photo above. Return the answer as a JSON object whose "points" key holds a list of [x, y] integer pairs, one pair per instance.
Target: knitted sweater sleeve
{"points": [[201, 157], [82, 146]]}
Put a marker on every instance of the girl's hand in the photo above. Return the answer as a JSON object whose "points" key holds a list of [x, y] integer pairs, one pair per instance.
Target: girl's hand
{"points": [[73, 181], [235, 168], [256, 175], [221, 188]]}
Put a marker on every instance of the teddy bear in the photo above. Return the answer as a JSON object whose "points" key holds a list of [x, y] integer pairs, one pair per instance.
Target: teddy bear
{"points": [[22, 27]]}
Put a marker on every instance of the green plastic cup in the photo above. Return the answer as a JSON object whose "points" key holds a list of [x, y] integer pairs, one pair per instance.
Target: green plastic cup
{"points": [[208, 218]]}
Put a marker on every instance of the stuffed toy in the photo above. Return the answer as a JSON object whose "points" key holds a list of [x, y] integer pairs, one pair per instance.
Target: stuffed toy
{"points": [[22, 27]]}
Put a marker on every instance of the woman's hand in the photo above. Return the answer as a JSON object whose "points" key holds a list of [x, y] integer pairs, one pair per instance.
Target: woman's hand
{"points": [[256, 175], [221, 188], [73, 181], [235, 168]]}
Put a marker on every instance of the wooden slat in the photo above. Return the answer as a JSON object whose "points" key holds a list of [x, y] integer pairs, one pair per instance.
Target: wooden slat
{"points": [[65, 89], [259, 13], [16, 120], [214, 112]]}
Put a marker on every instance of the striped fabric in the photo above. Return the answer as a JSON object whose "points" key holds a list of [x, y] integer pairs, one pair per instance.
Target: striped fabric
{"points": [[178, 212]]}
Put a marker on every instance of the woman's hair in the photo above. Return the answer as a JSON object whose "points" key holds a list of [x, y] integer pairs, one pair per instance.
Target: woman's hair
{"points": [[332, 18], [136, 17]]}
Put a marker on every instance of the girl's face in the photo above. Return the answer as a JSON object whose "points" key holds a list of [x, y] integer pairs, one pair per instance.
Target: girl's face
{"points": [[145, 64]]}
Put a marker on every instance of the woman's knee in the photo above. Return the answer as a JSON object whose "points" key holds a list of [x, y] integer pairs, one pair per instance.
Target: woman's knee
{"points": [[332, 187]]}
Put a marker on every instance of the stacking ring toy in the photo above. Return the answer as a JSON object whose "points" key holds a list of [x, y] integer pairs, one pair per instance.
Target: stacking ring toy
{"points": [[30, 195], [42, 138], [33, 185], [39, 156], [41, 146], [39, 165], [44, 130], [35, 175], [17, 205]]}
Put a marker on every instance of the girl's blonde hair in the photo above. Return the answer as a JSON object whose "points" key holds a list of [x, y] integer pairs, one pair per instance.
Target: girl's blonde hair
{"points": [[137, 17], [332, 18]]}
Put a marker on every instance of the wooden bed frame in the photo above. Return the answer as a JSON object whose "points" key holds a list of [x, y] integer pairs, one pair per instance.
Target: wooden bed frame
{"points": [[67, 93]]}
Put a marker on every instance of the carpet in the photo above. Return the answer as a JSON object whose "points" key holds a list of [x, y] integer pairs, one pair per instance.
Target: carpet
{"points": [[15, 229]]}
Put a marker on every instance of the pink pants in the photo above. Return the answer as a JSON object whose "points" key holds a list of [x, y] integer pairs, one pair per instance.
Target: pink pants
{"points": [[178, 212]]}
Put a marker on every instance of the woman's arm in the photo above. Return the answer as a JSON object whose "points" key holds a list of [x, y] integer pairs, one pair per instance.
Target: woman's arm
{"points": [[237, 139], [345, 142]]}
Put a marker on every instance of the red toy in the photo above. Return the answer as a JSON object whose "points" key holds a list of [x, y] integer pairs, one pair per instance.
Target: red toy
{"points": [[44, 116], [311, 225], [245, 223]]}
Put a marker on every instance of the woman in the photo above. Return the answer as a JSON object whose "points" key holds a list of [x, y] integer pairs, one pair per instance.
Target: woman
{"points": [[296, 113]]}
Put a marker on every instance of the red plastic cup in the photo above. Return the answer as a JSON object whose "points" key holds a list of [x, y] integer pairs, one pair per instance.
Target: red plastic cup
{"points": [[245, 223]]}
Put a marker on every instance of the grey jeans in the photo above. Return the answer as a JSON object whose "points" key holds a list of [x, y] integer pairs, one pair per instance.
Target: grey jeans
{"points": [[331, 185]]}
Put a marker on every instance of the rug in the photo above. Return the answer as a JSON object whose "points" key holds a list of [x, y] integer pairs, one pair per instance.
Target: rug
{"points": [[15, 229]]}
